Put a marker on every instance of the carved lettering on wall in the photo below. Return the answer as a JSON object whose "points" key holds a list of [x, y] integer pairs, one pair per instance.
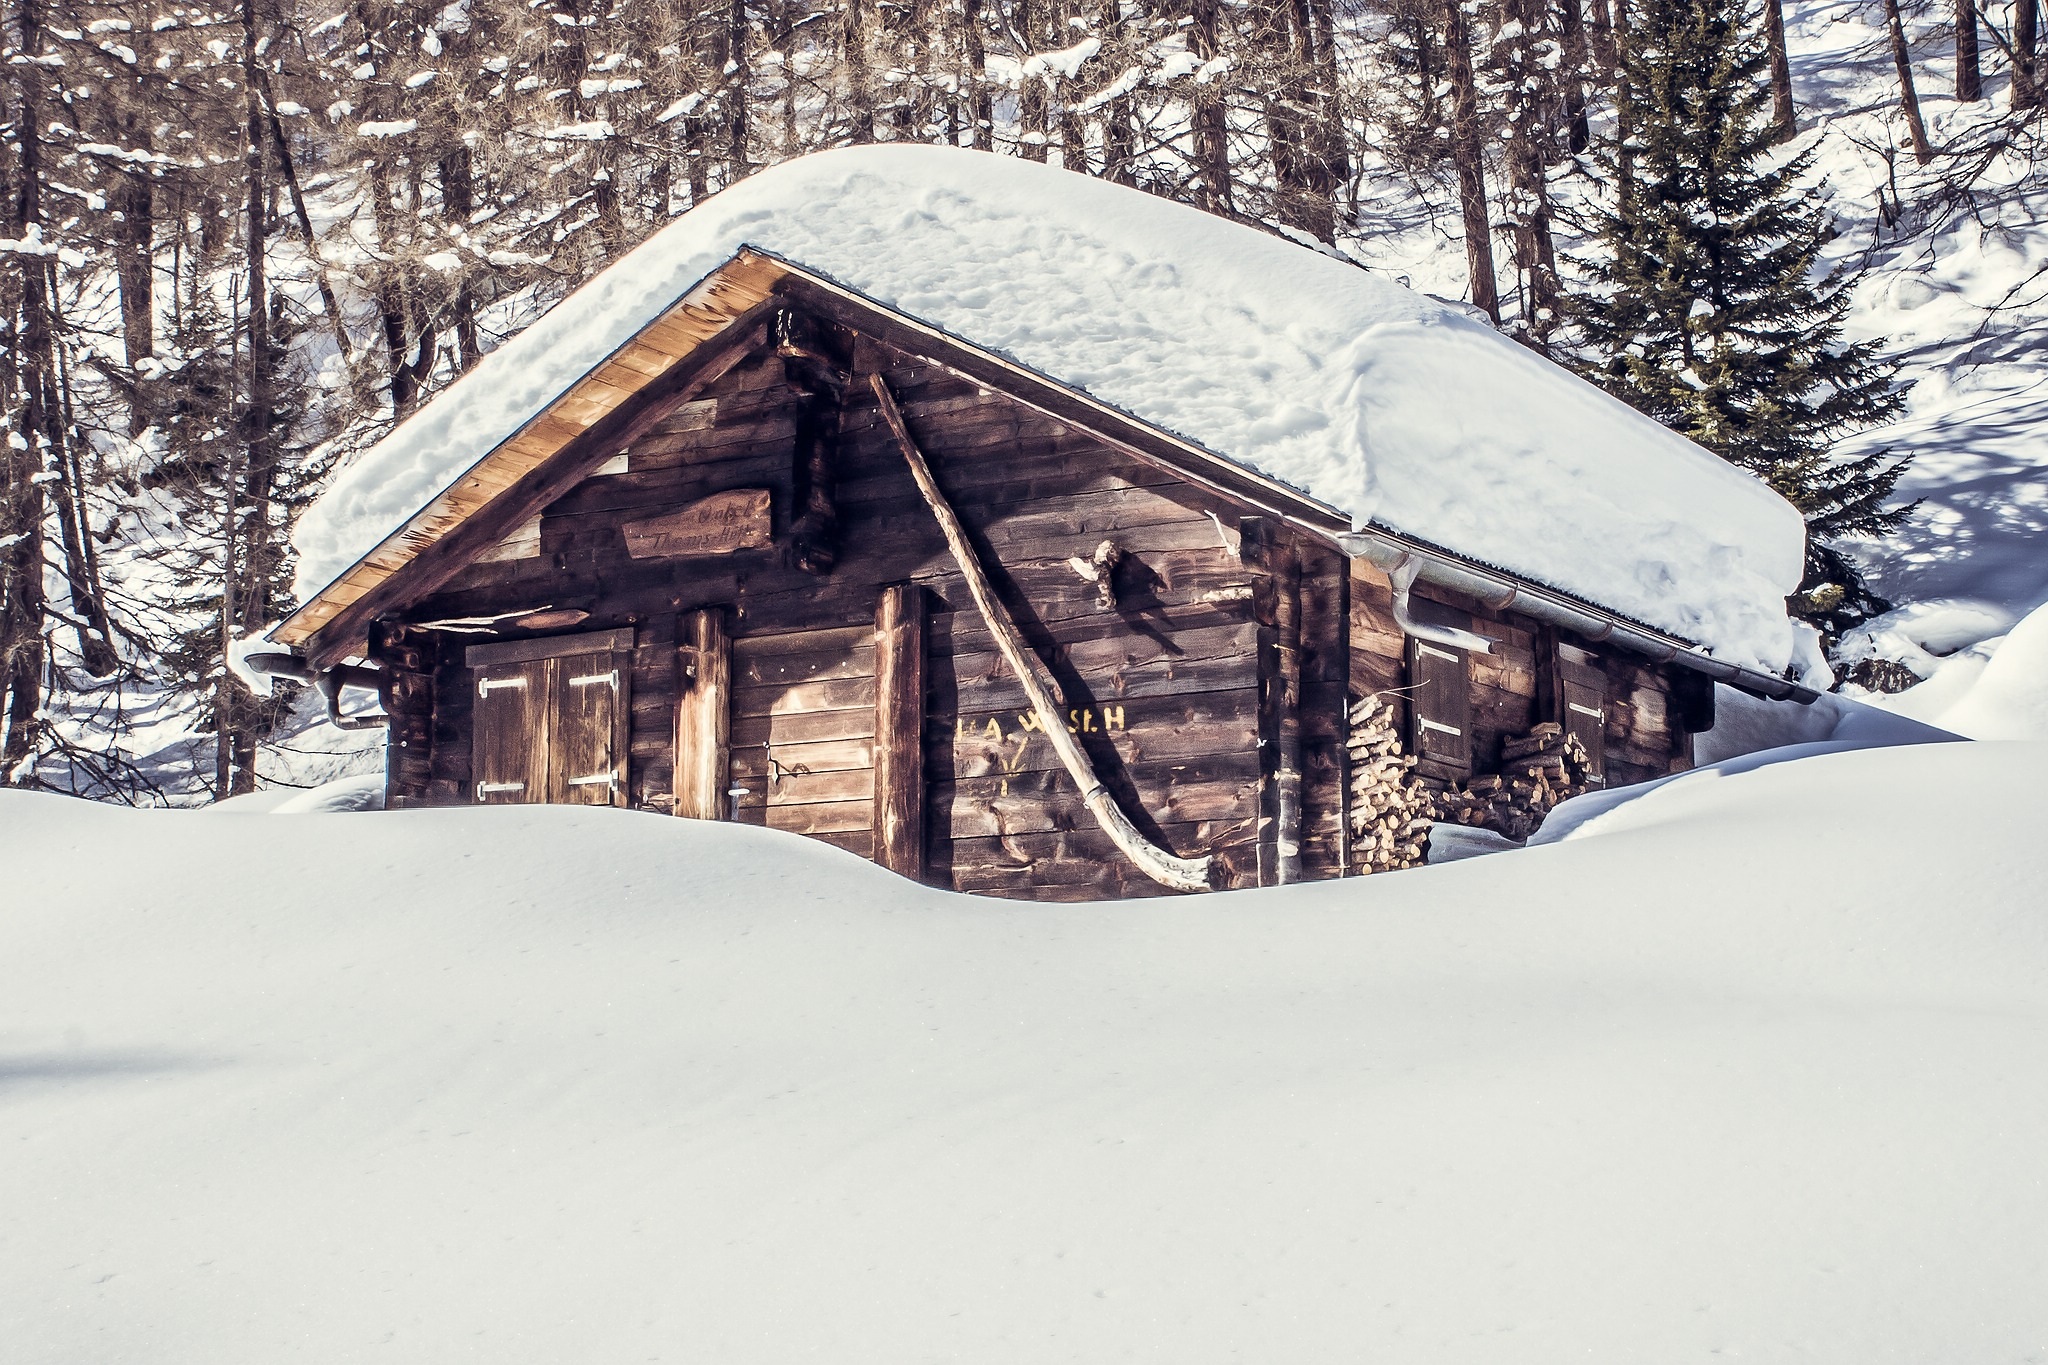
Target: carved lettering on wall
{"points": [[718, 525]]}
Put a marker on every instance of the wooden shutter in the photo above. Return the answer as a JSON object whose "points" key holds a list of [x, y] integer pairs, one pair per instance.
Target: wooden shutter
{"points": [[509, 734], [1440, 706], [1582, 697], [551, 719], [586, 748]]}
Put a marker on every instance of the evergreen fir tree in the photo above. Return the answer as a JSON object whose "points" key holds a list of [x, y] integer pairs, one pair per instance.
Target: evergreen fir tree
{"points": [[197, 445], [1705, 314]]}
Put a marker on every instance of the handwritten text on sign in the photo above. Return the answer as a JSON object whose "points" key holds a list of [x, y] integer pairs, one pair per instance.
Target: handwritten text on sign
{"points": [[720, 524], [1081, 720]]}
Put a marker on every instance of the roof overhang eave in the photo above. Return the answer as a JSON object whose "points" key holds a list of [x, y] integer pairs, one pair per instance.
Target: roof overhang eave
{"points": [[1385, 548], [1390, 550]]}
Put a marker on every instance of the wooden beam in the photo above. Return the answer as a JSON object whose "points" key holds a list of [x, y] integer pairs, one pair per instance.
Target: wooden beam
{"points": [[703, 743], [899, 730], [1270, 552], [439, 561], [1161, 865], [548, 647]]}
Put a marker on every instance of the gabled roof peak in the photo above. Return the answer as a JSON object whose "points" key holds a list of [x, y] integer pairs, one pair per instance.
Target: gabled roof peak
{"points": [[1389, 406]]}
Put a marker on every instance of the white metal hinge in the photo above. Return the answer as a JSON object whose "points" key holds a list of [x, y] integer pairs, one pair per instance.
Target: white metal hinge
{"points": [[593, 679], [607, 780], [1440, 727], [484, 789], [484, 685], [1436, 653], [1585, 711]]}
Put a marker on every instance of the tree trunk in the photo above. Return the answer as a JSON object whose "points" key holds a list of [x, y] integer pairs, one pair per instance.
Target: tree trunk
{"points": [[1336, 151], [1603, 37], [81, 566], [135, 201], [739, 77], [860, 83], [1969, 74], [1909, 98], [1031, 110], [23, 609], [1119, 138], [2026, 37], [1783, 116], [1311, 149], [1212, 136], [283, 147], [408, 350], [261, 556], [1465, 152], [1296, 201], [1624, 107], [1535, 253], [458, 202], [1571, 25], [980, 104]]}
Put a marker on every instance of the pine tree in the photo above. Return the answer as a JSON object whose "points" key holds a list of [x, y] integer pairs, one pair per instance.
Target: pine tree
{"points": [[1705, 312]]}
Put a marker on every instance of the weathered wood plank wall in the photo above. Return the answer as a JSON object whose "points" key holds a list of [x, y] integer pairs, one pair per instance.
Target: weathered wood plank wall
{"points": [[1162, 690], [1509, 693]]}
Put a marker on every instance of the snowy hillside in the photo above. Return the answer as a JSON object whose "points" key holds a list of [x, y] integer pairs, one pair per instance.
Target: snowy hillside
{"points": [[1750, 1067]]}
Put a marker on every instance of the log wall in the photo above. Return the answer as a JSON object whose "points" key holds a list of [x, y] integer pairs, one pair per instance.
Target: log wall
{"points": [[1162, 689], [1211, 696], [1508, 688]]}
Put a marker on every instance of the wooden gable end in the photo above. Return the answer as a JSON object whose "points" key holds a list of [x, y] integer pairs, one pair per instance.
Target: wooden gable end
{"points": [[669, 360], [954, 776]]}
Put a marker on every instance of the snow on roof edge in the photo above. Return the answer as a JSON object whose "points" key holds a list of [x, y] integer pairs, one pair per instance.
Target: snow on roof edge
{"points": [[1302, 368]]}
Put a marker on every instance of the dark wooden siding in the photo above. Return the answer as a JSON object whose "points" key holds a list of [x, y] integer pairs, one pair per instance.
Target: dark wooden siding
{"points": [[1509, 690], [1162, 690], [796, 781]]}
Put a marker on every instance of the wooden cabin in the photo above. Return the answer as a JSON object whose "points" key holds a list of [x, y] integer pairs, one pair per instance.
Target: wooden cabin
{"points": [[706, 582]]}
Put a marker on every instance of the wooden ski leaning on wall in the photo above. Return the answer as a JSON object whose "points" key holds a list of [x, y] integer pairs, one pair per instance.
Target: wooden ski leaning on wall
{"points": [[1162, 866]]}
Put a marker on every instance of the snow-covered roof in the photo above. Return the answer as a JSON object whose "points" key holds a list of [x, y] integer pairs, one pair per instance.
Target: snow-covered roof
{"points": [[1391, 407]]}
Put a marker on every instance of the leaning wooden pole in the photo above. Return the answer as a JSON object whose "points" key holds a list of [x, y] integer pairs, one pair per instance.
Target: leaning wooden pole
{"points": [[1166, 868]]}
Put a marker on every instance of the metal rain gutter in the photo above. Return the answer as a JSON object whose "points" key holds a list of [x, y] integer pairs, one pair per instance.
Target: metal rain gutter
{"points": [[1404, 561], [331, 682]]}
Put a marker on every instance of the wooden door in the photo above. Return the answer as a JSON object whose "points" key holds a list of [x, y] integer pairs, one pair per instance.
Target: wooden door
{"points": [[550, 721], [587, 715], [509, 734], [803, 746]]}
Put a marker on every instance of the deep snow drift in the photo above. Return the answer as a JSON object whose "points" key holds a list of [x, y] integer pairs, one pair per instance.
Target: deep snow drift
{"points": [[1752, 1068], [1381, 402]]}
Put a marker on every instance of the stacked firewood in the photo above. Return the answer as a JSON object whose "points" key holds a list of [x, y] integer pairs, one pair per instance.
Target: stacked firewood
{"points": [[1390, 810], [1538, 771]]}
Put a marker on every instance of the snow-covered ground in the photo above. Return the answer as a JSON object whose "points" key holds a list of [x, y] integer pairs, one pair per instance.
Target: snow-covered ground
{"points": [[1750, 1066]]}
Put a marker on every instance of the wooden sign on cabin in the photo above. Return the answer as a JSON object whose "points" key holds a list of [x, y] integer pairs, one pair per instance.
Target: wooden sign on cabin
{"points": [[737, 519]]}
